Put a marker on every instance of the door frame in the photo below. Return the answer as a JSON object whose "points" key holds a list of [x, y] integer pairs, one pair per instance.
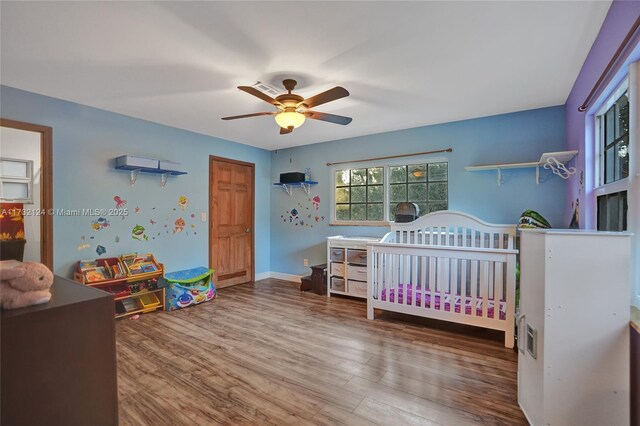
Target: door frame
{"points": [[253, 216], [46, 184]]}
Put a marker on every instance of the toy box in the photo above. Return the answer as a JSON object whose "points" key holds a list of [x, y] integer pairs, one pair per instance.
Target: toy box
{"points": [[188, 287]]}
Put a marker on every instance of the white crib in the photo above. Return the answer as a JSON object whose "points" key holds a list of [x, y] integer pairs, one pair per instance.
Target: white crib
{"points": [[448, 266]]}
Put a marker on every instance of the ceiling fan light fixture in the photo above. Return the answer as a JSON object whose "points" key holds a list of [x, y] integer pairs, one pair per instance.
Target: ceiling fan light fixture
{"points": [[289, 119]]}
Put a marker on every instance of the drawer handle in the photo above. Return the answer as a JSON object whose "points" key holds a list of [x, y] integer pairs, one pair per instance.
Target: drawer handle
{"points": [[362, 256]]}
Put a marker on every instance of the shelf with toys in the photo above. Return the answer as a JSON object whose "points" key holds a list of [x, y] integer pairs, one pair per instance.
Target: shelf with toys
{"points": [[132, 279]]}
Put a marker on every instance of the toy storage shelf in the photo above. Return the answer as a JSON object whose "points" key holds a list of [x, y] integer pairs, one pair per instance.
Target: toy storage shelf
{"points": [[135, 170], [563, 157], [159, 292], [120, 288], [306, 186]]}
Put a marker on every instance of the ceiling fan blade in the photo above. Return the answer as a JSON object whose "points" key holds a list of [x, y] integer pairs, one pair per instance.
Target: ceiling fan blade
{"points": [[324, 97], [255, 92], [284, 131], [255, 114], [331, 118]]}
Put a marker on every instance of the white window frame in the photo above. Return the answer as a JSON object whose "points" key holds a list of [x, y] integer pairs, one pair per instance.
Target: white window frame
{"points": [[619, 185], [385, 164], [28, 180]]}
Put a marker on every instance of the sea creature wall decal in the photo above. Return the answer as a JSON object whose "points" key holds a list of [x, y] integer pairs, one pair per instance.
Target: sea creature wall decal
{"points": [[139, 233]]}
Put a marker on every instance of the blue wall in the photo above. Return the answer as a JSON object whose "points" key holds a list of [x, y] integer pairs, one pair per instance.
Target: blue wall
{"points": [[85, 141], [516, 137]]}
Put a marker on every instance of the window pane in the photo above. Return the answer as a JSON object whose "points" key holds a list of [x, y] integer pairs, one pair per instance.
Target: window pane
{"points": [[398, 174], [13, 168], [342, 195], [358, 211], [392, 212], [398, 193], [622, 123], [433, 207], [622, 149], [612, 212], [438, 191], [359, 194], [342, 178], [359, 177], [609, 129], [376, 175], [417, 173], [417, 192], [609, 165], [342, 212], [375, 212], [15, 190], [438, 171], [376, 193]]}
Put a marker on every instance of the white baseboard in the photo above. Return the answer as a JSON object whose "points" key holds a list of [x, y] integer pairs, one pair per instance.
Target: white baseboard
{"points": [[279, 276], [263, 276]]}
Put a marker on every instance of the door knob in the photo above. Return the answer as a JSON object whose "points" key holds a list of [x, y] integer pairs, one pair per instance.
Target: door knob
{"points": [[247, 230]]}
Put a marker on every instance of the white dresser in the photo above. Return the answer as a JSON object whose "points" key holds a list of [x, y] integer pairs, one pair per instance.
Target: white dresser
{"points": [[347, 265], [573, 328]]}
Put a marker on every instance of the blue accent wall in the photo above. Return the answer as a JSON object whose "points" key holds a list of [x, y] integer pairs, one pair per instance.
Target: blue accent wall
{"points": [[515, 137], [85, 142]]}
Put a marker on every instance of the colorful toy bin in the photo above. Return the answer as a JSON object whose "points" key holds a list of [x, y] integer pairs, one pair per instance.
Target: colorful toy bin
{"points": [[188, 287]]}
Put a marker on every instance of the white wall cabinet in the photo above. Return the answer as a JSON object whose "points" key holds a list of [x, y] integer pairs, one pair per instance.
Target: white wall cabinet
{"points": [[347, 259], [573, 328]]}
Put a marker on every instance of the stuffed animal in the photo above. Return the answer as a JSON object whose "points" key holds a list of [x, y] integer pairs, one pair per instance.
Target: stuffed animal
{"points": [[25, 285]]}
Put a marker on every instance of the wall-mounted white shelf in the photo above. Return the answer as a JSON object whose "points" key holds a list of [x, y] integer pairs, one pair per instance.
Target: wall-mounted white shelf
{"points": [[306, 186], [551, 160], [135, 170]]}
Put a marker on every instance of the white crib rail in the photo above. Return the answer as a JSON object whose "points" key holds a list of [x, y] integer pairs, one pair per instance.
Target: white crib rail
{"points": [[446, 256]]}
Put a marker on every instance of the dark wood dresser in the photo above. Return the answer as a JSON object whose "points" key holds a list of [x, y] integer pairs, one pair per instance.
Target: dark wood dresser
{"points": [[58, 364]]}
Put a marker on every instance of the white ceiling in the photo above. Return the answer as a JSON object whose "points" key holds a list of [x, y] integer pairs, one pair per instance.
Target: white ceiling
{"points": [[406, 64]]}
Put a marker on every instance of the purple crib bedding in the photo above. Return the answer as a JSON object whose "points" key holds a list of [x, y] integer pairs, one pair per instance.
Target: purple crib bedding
{"points": [[446, 298]]}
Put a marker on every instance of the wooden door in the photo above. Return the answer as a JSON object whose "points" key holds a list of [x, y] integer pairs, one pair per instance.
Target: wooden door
{"points": [[231, 189]]}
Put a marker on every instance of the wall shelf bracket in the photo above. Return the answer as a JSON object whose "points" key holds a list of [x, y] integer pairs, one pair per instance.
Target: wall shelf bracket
{"points": [[134, 176], [306, 186], [554, 161]]}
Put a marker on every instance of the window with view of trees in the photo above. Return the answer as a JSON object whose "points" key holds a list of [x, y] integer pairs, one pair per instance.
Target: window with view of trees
{"points": [[370, 194], [612, 141], [423, 184]]}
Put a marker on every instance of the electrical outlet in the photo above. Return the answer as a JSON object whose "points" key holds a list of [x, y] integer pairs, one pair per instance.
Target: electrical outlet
{"points": [[306, 262], [203, 216]]}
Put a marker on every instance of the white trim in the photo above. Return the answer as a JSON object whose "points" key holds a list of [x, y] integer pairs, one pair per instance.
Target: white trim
{"points": [[262, 276], [286, 277]]}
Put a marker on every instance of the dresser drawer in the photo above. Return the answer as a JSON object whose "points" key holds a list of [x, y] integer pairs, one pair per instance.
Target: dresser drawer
{"points": [[336, 254], [337, 284], [358, 288], [337, 269], [357, 256], [355, 272]]}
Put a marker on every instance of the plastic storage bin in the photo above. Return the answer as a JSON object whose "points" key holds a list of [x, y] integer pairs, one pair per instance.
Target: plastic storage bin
{"points": [[188, 287]]}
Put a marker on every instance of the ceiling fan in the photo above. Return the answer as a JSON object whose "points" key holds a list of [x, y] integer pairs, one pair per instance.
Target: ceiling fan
{"points": [[294, 109]]}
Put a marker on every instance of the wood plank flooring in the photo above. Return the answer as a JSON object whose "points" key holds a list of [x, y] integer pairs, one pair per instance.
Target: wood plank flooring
{"points": [[266, 353]]}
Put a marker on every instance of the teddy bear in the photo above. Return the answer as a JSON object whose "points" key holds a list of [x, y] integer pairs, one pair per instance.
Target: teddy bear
{"points": [[25, 285]]}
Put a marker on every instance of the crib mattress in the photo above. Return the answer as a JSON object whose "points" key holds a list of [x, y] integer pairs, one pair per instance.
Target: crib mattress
{"points": [[434, 301]]}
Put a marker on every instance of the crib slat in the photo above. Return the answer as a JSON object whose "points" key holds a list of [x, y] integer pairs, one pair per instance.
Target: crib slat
{"points": [[484, 284], [432, 281], [387, 274], [423, 279], [499, 284], [474, 286], [454, 284], [406, 281], [463, 286], [415, 279], [380, 267]]}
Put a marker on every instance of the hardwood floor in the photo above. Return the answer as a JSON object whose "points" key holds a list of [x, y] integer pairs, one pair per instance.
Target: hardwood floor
{"points": [[266, 353]]}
